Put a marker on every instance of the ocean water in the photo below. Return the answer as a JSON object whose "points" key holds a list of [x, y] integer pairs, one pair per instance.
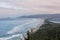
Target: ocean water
{"points": [[17, 29], [55, 20]]}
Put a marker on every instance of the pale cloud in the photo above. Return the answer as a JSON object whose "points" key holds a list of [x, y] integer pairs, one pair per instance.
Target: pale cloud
{"points": [[8, 5], [23, 7]]}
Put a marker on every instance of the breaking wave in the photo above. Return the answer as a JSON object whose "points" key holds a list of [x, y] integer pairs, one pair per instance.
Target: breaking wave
{"points": [[19, 28]]}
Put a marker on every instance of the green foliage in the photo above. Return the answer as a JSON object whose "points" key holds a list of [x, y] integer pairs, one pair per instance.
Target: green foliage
{"points": [[46, 32]]}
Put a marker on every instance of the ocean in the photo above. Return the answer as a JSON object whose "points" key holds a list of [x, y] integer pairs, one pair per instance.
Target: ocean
{"points": [[17, 29]]}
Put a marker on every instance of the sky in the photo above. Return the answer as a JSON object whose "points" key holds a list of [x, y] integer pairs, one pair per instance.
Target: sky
{"points": [[13, 8]]}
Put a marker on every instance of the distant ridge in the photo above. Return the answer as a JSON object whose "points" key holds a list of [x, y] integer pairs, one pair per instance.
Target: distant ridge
{"points": [[43, 16]]}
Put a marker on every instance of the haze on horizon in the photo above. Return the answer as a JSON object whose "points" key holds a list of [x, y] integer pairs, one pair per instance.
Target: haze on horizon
{"points": [[13, 8]]}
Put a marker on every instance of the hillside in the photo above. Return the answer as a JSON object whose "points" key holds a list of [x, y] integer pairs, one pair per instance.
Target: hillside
{"points": [[46, 32]]}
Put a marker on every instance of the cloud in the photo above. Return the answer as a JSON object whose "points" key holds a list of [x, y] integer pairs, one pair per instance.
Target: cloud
{"points": [[23, 7], [7, 5]]}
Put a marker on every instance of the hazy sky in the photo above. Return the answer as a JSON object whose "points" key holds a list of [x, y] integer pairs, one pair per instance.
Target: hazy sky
{"points": [[26, 7]]}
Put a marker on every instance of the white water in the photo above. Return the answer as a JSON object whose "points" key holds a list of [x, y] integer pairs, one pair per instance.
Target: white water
{"points": [[17, 29]]}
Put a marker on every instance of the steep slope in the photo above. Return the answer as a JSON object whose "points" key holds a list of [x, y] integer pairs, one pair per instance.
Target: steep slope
{"points": [[46, 32]]}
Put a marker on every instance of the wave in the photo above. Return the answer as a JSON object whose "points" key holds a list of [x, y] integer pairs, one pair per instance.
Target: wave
{"points": [[21, 28], [13, 36]]}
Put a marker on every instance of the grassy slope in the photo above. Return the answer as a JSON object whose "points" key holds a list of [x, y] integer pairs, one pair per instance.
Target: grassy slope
{"points": [[46, 32]]}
